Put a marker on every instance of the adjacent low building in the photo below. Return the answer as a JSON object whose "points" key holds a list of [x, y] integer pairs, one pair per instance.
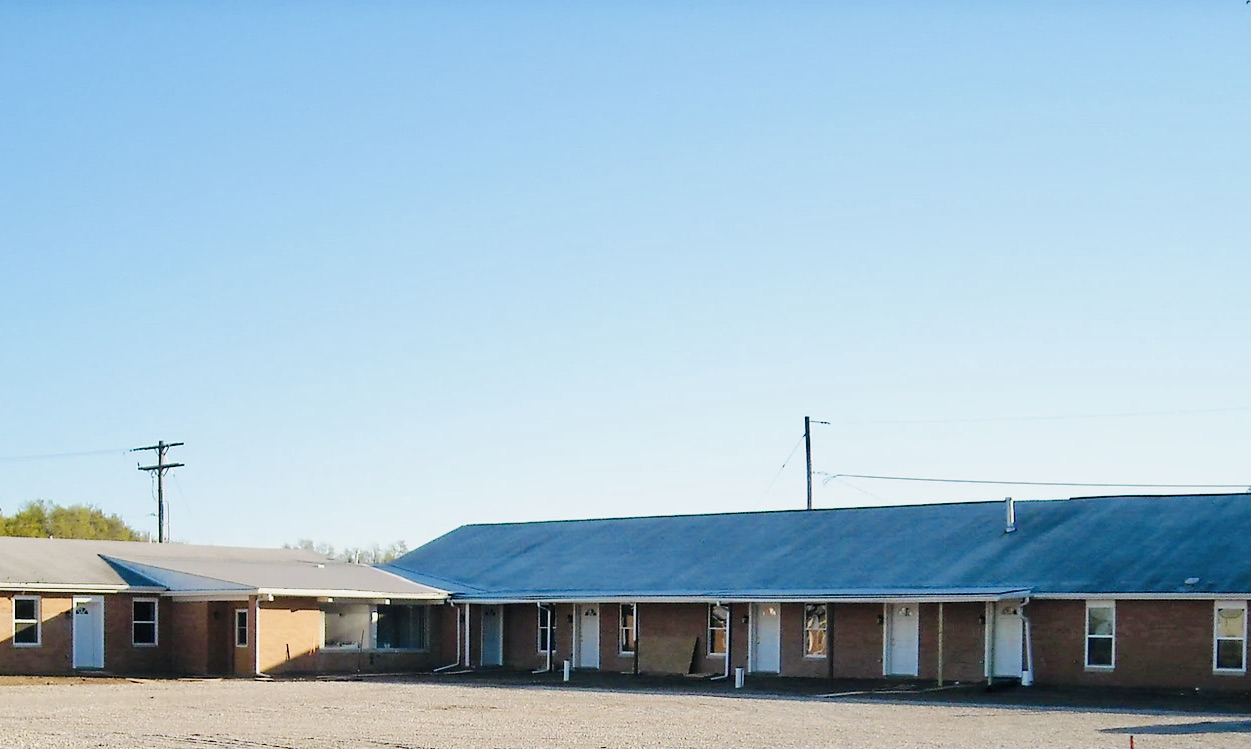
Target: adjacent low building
{"points": [[1126, 591], [141, 608]]}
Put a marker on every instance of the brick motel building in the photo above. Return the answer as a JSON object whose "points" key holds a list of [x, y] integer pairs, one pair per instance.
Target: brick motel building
{"points": [[1128, 591]]}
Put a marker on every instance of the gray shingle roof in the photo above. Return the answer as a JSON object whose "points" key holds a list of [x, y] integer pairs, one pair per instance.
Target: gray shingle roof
{"points": [[180, 568], [1111, 545]]}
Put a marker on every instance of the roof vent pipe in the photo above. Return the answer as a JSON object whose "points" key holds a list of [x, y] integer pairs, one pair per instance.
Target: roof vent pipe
{"points": [[1010, 509]]}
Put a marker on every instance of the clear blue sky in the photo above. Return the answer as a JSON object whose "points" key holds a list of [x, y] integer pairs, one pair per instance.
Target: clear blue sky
{"points": [[390, 268]]}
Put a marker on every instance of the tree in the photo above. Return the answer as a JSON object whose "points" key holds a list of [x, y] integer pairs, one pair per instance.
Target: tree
{"points": [[43, 519], [373, 554]]}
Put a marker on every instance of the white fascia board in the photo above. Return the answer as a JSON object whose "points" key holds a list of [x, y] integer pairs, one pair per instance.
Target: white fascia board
{"points": [[200, 595], [64, 588], [1141, 596], [972, 598], [373, 594]]}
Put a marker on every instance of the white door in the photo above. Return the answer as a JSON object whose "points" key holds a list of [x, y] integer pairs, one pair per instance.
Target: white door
{"points": [[766, 637], [902, 640], [588, 636], [1009, 637], [492, 635], [88, 632]]}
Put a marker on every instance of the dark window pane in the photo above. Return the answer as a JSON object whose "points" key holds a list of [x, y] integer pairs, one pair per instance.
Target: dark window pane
{"points": [[145, 611], [26, 634], [25, 608], [145, 633], [1229, 654], [1099, 651]]}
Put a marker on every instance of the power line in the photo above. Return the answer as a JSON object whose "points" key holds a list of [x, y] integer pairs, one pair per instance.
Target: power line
{"points": [[784, 463], [55, 456], [834, 476]]}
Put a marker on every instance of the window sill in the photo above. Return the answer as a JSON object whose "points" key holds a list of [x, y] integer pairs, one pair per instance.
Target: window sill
{"points": [[28, 644], [814, 657], [1100, 669], [144, 645], [715, 655], [1229, 672]]}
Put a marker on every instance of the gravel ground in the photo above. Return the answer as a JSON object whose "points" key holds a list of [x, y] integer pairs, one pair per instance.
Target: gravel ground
{"points": [[451, 713]]}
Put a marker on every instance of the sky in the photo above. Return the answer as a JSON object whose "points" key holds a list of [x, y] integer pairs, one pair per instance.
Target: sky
{"points": [[390, 268]]}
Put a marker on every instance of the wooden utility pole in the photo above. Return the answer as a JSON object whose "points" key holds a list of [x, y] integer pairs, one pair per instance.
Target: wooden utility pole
{"points": [[808, 422], [162, 517], [808, 453]]}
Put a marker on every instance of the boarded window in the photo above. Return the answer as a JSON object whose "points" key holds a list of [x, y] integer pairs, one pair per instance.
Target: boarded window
{"points": [[547, 630], [815, 621], [718, 629], [627, 630]]}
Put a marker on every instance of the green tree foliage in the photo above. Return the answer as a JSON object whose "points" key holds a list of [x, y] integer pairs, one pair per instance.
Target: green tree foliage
{"points": [[374, 554], [43, 519]]}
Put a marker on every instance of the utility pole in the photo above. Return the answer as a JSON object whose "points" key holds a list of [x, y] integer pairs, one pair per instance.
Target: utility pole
{"points": [[162, 517], [808, 451]]}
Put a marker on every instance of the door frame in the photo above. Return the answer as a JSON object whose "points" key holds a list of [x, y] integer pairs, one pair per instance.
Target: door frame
{"points": [[888, 637], [499, 636], [74, 633], [753, 654], [579, 616], [992, 634]]}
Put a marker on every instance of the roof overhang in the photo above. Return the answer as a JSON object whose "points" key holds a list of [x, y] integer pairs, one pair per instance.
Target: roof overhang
{"points": [[918, 596], [70, 588], [234, 594]]}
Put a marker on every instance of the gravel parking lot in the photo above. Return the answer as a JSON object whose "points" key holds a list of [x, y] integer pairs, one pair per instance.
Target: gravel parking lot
{"points": [[453, 713]]}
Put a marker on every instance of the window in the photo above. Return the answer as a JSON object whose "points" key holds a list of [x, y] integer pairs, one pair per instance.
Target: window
{"points": [[143, 622], [241, 628], [627, 630], [403, 627], [1100, 634], [815, 620], [345, 626], [1229, 637], [26, 621], [547, 629], [718, 629]]}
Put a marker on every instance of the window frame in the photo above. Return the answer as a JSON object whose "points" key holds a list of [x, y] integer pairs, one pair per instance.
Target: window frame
{"points": [[825, 630], [155, 622], [247, 636], [633, 629], [1109, 604], [710, 631], [422, 611], [37, 621], [1217, 606], [546, 623]]}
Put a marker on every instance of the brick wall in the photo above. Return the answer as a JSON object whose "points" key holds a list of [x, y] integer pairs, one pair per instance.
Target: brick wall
{"points": [[1158, 644], [679, 619], [54, 654], [964, 641], [121, 655], [857, 640]]}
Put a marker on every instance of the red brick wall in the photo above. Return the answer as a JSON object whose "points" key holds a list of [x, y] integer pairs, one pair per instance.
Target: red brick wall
{"points": [[1158, 644], [121, 655], [857, 640], [610, 658], [54, 654], [964, 641]]}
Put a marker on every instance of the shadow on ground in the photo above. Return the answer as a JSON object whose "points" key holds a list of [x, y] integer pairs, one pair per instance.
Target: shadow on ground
{"points": [[1179, 729]]}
